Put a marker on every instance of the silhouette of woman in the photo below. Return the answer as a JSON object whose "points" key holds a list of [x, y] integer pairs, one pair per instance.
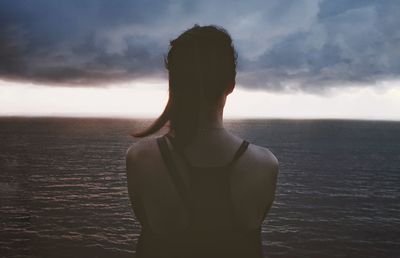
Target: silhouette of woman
{"points": [[199, 190]]}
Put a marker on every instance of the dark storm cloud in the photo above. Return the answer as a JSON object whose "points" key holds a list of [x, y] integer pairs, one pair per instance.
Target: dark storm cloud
{"points": [[307, 45], [77, 42], [350, 42]]}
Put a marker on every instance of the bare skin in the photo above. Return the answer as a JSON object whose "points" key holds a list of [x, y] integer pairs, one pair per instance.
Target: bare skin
{"points": [[253, 181]]}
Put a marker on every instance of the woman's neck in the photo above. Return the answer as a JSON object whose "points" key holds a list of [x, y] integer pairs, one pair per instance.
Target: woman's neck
{"points": [[211, 117], [210, 120]]}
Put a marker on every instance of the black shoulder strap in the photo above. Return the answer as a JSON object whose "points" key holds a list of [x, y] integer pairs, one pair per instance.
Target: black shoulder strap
{"points": [[173, 171], [242, 148], [179, 150]]}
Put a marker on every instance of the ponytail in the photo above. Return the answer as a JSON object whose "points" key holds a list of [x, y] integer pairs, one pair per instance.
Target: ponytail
{"points": [[156, 125]]}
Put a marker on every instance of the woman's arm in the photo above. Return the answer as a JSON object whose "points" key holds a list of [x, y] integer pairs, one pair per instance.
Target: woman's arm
{"points": [[133, 181]]}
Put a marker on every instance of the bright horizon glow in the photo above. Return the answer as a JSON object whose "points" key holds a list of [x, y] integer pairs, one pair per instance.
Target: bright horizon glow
{"points": [[147, 100]]}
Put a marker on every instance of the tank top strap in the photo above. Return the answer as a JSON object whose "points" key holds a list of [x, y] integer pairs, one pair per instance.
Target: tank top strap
{"points": [[173, 172], [242, 148], [179, 150]]}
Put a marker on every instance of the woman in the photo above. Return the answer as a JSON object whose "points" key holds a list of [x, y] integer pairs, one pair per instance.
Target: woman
{"points": [[199, 190]]}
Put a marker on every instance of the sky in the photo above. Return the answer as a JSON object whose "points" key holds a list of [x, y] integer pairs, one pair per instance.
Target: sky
{"points": [[296, 59]]}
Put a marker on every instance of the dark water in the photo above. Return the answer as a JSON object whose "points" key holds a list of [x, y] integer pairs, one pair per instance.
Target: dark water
{"points": [[63, 187]]}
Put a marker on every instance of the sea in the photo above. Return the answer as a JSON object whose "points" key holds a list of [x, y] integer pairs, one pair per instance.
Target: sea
{"points": [[63, 187]]}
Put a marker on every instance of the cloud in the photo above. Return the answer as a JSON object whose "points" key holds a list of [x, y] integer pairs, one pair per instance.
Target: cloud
{"points": [[77, 42], [350, 43], [304, 45]]}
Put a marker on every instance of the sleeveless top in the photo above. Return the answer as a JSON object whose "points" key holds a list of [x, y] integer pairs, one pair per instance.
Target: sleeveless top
{"points": [[214, 230]]}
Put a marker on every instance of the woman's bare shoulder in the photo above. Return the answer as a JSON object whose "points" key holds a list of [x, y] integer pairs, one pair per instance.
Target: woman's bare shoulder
{"points": [[263, 159], [139, 155], [140, 148], [265, 154]]}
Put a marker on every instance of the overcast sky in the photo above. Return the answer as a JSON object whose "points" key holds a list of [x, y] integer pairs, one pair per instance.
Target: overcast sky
{"points": [[298, 47]]}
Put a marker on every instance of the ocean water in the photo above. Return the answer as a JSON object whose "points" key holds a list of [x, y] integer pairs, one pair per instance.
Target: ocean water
{"points": [[63, 187]]}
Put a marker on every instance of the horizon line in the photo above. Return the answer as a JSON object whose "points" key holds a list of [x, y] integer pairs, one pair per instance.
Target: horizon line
{"points": [[119, 117]]}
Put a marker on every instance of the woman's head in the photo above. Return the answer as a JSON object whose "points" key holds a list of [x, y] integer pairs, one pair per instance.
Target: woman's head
{"points": [[201, 66], [201, 60]]}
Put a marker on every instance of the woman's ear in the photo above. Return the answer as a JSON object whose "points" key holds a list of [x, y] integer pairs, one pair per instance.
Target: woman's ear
{"points": [[230, 89]]}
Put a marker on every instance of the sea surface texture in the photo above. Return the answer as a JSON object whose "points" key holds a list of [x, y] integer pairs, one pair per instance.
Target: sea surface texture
{"points": [[63, 187]]}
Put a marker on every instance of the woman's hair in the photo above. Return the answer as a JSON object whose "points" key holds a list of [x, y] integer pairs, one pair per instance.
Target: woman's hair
{"points": [[201, 64]]}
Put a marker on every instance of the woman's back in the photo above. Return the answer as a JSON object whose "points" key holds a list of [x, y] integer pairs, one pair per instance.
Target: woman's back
{"points": [[209, 199]]}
